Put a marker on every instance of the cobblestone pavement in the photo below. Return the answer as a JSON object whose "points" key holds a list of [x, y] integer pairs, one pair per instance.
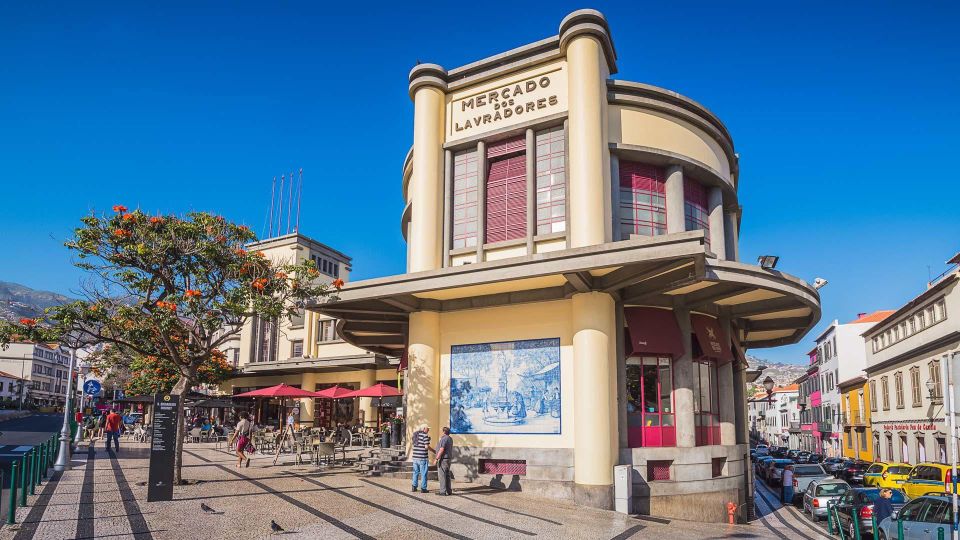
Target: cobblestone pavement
{"points": [[104, 496]]}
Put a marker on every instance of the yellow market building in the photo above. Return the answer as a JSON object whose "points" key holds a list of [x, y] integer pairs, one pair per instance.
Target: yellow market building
{"points": [[573, 298], [858, 441]]}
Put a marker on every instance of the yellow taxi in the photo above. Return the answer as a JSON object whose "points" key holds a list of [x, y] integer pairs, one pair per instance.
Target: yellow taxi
{"points": [[886, 475], [928, 478]]}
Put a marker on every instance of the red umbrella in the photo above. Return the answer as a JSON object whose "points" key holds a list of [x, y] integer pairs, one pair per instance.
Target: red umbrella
{"points": [[334, 392], [280, 390], [379, 390]]}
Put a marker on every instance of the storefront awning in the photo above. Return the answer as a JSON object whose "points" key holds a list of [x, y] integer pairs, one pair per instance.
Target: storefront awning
{"points": [[653, 331], [714, 343]]}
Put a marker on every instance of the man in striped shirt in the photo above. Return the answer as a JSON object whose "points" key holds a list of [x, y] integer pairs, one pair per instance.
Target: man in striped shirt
{"points": [[421, 444]]}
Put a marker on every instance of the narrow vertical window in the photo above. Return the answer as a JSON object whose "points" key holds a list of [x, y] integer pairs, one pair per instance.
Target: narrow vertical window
{"points": [[551, 181], [935, 377], [695, 210], [643, 203], [465, 185], [506, 185]]}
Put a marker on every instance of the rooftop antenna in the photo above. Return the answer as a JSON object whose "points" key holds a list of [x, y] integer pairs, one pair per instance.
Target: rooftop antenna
{"points": [[290, 203], [280, 206], [299, 196], [273, 189]]}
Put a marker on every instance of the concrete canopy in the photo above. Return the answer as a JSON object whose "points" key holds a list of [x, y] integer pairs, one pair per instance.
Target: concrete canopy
{"points": [[768, 308]]}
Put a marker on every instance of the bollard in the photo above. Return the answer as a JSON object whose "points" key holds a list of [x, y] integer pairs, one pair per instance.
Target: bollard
{"points": [[940, 533], [873, 527], [855, 521], [37, 459], [31, 470], [12, 510], [23, 480], [43, 462], [829, 520], [899, 529]]}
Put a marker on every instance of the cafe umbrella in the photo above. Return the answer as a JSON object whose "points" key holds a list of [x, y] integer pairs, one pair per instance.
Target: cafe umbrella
{"points": [[378, 390], [280, 391]]}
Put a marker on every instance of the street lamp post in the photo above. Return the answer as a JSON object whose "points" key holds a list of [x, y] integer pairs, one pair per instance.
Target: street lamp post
{"points": [[63, 458], [79, 436]]}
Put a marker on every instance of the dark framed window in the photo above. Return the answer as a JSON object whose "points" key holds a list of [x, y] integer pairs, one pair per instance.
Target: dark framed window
{"points": [[466, 183], [506, 191], [695, 207], [643, 202], [551, 181], [706, 404]]}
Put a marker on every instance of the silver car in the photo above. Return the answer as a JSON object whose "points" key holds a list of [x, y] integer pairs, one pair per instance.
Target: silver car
{"points": [[819, 493], [803, 474]]}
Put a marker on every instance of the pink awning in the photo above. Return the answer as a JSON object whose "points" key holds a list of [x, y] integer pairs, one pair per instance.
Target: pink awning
{"points": [[280, 390], [653, 331], [713, 341], [379, 390], [334, 392]]}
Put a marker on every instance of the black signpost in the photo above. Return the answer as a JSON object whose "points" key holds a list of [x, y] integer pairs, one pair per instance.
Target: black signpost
{"points": [[162, 447]]}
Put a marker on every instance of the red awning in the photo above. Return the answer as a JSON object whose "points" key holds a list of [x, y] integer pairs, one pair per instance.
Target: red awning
{"points": [[653, 331], [334, 392], [713, 342]]}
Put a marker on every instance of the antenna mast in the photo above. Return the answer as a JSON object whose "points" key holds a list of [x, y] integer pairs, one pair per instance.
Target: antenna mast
{"points": [[280, 205], [273, 189], [299, 196], [290, 203]]}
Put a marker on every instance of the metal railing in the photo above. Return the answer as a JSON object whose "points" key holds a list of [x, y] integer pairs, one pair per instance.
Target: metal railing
{"points": [[29, 472]]}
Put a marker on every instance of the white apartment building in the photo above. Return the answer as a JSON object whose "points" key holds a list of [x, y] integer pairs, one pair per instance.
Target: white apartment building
{"points": [[904, 354], [44, 366], [771, 417], [10, 386], [307, 352]]}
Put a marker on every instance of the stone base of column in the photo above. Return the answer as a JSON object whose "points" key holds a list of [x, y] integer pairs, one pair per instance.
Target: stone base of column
{"points": [[593, 496]]}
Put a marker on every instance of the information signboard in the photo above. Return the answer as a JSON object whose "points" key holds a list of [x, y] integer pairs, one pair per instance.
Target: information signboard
{"points": [[163, 447]]}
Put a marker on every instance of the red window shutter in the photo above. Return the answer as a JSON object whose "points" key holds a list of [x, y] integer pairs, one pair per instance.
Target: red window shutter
{"points": [[695, 193], [506, 199], [641, 177], [506, 147]]}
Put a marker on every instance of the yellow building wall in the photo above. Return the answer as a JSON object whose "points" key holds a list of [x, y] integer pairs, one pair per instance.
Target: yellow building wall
{"points": [[510, 323], [853, 446], [642, 127]]}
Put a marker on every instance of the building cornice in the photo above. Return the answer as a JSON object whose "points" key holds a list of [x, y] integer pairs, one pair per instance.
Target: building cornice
{"points": [[926, 348]]}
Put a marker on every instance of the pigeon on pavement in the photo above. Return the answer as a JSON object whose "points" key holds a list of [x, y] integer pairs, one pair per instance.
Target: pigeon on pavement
{"points": [[276, 528], [207, 509]]}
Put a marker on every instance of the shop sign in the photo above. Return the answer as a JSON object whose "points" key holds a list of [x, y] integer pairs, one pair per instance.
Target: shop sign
{"points": [[162, 447], [521, 100], [907, 426]]}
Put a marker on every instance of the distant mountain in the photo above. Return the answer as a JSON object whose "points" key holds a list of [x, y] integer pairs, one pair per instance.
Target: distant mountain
{"points": [[782, 374], [18, 301]]}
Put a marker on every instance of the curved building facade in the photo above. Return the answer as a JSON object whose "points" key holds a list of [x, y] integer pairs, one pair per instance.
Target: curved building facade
{"points": [[573, 298]]}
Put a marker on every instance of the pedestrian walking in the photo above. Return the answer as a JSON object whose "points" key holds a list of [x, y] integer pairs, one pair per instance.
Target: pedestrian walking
{"points": [[101, 424], [111, 427], [442, 461], [883, 507], [244, 431], [421, 444], [786, 494]]}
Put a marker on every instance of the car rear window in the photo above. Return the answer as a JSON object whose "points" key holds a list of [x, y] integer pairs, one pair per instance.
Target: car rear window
{"points": [[874, 494], [808, 470], [899, 470], [781, 464], [831, 490]]}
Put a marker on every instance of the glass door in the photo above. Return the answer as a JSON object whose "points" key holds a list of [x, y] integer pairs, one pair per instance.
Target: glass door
{"points": [[650, 412]]}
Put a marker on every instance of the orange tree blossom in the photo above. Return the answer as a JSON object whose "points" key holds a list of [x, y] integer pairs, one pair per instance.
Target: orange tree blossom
{"points": [[165, 293]]}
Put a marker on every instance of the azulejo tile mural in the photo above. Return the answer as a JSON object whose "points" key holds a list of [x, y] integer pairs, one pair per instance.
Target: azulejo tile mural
{"points": [[508, 387]]}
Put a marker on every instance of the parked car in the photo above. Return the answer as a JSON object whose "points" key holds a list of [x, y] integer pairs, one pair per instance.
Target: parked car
{"points": [[803, 457], [857, 503], [820, 493], [928, 478], [762, 451], [779, 452], [831, 464], [853, 471], [803, 474], [923, 517], [817, 458], [775, 471], [792, 454], [761, 466], [886, 475]]}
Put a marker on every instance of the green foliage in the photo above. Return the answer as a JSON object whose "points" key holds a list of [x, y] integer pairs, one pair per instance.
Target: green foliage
{"points": [[171, 289]]}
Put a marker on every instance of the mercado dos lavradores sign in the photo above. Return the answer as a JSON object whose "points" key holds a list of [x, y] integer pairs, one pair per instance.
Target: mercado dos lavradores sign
{"points": [[505, 103]]}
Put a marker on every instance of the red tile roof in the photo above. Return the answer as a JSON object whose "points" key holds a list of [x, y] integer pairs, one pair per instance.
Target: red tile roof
{"points": [[876, 316], [9, 376]]}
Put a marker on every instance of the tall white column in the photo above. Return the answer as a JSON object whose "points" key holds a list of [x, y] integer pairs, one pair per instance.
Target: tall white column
{"points": [[732, 235], [683, 380], [676, 222], [425, 242], [717, 237]]}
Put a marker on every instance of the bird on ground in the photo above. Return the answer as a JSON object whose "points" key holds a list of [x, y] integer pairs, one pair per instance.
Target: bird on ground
{"points": [[207, 509], [275, 528]]}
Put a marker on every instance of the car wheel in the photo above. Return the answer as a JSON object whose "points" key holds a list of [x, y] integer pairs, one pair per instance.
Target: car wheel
{"points": [[852, 532]]}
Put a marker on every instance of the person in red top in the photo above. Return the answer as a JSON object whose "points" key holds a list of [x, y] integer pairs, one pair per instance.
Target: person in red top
{"points": [[112, 428]]}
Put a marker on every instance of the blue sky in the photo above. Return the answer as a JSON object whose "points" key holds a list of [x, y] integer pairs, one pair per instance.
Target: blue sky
{"points": [[844, 115]]}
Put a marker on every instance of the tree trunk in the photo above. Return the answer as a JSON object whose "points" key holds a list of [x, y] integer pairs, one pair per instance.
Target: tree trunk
{"points": [[181, 389]]}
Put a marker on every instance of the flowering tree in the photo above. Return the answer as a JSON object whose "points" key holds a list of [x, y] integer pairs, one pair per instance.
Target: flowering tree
{"points": [[167, 292]]}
